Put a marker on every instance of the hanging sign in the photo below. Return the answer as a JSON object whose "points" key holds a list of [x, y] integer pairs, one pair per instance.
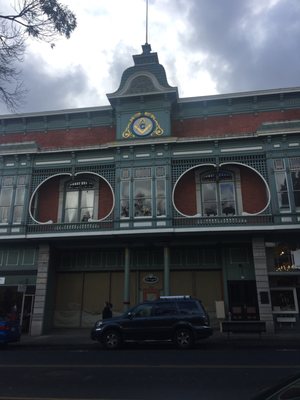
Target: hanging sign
{"points": [[151, 279]]}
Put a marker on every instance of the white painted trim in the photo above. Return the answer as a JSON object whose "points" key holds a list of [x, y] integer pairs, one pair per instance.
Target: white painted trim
{"points": [[183, 153], [95, 159], [260, 175], [234, 149], [142, 155], [52, 162]]}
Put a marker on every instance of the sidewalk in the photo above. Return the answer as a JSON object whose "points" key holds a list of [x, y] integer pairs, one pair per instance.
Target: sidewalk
{"points": [[80, 338]]}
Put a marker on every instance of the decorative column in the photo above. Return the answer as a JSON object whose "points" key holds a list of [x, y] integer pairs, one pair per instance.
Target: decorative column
{"points": [[166, 271], [38, 316], [126, 300], [262, 283]]}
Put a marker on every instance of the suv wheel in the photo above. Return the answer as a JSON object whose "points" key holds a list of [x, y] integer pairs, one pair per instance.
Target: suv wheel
{"points": [[183, 338], [111, 339]]}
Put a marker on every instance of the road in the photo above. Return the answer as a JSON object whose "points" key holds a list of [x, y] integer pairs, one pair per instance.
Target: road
{"points": [[141, 372]]}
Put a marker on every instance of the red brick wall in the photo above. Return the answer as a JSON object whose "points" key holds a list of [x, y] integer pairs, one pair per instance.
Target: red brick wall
{"points": [[64, 138], [218, 126], [48, 200], [185, 194], [254, 192], [253, 189], [214, 126], [49, 196], [105, 200]]}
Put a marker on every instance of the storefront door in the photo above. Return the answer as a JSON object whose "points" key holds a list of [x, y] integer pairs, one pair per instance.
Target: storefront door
{"points": [[243, 300]]}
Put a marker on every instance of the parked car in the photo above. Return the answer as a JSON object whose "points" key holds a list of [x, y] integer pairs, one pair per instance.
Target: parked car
{"points": [[180, 319], [10, 330]]}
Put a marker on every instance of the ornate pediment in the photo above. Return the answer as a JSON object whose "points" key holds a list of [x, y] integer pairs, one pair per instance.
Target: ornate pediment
{"points": [[141, 84]]}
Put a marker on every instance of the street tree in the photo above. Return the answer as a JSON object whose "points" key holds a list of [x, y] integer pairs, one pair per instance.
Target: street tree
{"points": [[43, 20]]}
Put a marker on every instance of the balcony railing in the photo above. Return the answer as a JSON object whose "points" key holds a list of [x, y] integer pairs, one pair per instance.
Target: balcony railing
{"points": [[152, 224], [70, 227], [224, 221]]}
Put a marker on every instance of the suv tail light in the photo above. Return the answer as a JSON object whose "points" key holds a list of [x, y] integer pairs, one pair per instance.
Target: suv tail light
{"points": [[4, 328]]}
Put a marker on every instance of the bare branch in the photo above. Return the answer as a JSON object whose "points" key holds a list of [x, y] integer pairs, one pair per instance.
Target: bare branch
{"points": [[42, 19]]}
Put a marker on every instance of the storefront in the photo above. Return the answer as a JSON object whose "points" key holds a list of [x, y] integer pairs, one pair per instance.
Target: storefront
{"points": [[284, 278]]}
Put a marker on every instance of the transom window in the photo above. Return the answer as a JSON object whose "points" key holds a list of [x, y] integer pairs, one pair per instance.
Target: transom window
{"points": [[218, 193], [79, 200]]}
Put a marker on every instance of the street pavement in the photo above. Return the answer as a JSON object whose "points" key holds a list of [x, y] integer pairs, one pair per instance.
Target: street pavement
{"points": [[80, 338]]}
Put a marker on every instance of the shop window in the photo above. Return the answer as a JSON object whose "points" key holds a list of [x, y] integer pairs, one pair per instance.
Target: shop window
{"points": [[286, 258], [218, 196], [284, 300]]}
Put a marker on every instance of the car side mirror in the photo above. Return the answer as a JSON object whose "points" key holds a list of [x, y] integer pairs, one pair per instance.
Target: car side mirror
{"points": [[130, 315]]}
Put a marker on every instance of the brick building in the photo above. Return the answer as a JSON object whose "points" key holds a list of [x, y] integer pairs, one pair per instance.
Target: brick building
{"points": [[153, 194]]}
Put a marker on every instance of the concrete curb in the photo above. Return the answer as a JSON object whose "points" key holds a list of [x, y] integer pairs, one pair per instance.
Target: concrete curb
{"points": [[79, 339]]}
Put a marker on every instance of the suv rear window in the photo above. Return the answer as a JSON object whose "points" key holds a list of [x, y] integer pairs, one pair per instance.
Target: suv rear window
{"points": [[143, 311], [189, 307], [165, 308]]}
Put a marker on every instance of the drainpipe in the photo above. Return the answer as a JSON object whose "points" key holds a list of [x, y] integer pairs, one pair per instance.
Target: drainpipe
{"points": [[166, 271], [126, 300]]}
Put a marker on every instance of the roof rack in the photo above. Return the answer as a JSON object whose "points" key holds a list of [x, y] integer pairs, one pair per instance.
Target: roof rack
{"points": [[175, 297]]}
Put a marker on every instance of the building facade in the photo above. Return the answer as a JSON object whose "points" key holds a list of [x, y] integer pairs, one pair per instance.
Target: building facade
{"points": [[153, 195]]}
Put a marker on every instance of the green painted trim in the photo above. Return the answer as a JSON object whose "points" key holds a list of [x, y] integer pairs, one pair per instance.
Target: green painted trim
{"points": [[81, 118], [14, 280]]}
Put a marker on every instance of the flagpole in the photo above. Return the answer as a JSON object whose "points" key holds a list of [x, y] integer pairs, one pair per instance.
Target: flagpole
{"points": [[146, 21]]}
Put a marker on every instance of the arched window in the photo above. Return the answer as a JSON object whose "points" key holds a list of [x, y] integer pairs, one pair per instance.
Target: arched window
{"points": [[79, 200], [218, 193]]}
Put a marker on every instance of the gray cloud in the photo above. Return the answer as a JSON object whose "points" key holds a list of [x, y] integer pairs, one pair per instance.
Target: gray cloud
{"points": [[246, 50], [55, 91], [121, 60]]}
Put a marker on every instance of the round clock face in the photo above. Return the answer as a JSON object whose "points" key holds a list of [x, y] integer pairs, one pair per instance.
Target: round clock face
{"points": [[142, 126]]}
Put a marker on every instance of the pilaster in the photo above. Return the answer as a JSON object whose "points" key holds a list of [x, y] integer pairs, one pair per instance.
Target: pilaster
{"points": [[262, 282], [41, 291]]}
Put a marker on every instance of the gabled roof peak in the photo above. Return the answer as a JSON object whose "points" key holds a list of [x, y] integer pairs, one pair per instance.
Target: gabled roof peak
{"points": [[146, 77]]}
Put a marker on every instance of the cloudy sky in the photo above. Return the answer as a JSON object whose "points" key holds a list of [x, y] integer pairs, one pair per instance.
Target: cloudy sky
{"points": [[206, 46]]}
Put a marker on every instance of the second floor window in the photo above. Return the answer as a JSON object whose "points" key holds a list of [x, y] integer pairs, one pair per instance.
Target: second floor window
{"points": [[295, 178], [218, 193], [288, 184], [143, 192], [12, 197], [79, 200]]}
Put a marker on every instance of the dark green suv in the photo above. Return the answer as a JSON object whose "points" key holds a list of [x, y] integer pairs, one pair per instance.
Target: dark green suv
{"points": [[180, 319]]}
